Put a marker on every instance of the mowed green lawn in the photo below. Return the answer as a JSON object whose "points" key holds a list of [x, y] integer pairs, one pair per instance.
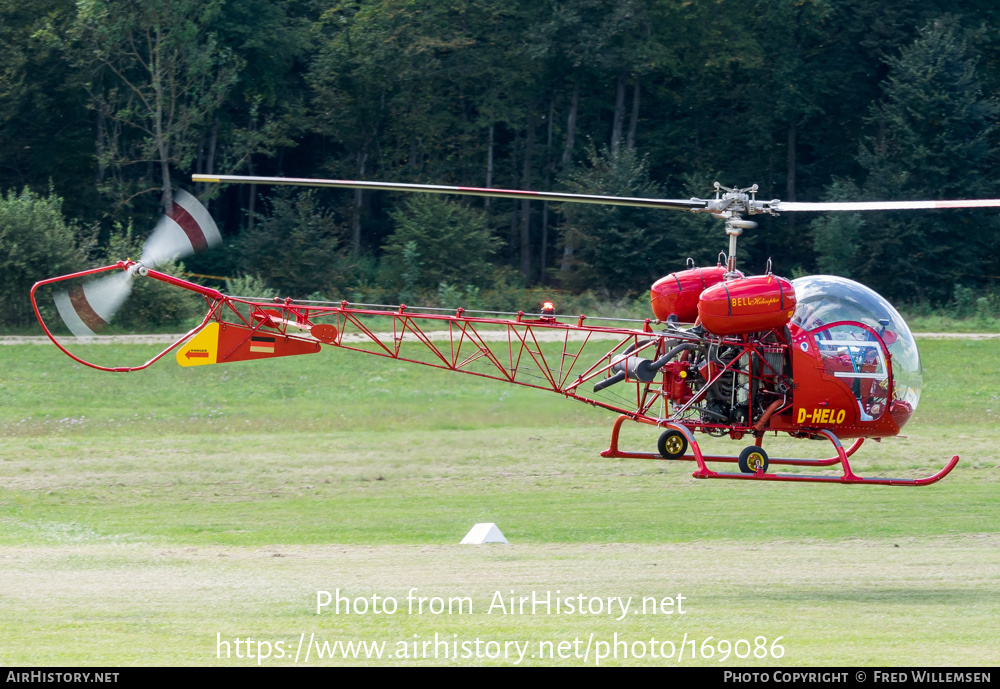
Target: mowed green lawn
{"points": [[143, 514]]}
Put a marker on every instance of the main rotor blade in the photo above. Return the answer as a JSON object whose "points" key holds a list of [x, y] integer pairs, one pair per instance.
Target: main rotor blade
{"points": [[787, 206], [672, 204]]}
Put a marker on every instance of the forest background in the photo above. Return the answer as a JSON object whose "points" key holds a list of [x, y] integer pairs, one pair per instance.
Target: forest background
{"points": [[106, 108]]}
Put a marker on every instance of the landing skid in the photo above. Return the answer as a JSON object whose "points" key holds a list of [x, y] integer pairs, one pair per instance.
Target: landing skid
{"points": [[703, 471], [613, 451]]}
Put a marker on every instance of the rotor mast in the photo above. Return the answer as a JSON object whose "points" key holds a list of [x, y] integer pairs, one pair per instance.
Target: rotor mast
{"points": [[728, 203]]}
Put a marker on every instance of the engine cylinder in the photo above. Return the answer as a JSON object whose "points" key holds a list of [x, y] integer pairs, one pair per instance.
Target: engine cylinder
{"points": [[747, 305]]}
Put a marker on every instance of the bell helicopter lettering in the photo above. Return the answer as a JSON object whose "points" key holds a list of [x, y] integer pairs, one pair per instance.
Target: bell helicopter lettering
{"points": [[724, 353]]}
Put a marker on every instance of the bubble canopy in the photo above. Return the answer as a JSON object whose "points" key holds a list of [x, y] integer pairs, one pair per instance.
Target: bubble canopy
{"points": [[824, 299]]}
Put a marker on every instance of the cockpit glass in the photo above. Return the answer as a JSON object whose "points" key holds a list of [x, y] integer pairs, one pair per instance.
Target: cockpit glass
{"points": [[825, 299], [855, 356]]}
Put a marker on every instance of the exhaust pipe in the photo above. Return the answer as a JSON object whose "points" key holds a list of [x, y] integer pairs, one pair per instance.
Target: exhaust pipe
{"points": [[637, 368]]}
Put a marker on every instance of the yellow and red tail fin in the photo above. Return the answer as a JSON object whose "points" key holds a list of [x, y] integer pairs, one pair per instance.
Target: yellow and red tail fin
{"points": [[221, 343]]}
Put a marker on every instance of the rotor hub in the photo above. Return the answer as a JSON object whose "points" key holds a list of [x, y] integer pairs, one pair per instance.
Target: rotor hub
{"points": [[729, 202]]}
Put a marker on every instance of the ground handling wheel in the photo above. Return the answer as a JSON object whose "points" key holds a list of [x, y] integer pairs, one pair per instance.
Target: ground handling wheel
{"points": [[752, 459], [672, 444]]}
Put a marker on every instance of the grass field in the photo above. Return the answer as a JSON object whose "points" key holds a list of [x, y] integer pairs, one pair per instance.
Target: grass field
{"points": [[147, 517]]}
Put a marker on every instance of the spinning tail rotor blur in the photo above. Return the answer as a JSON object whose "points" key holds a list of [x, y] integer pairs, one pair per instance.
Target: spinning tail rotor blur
{"points": [[88, 308]]}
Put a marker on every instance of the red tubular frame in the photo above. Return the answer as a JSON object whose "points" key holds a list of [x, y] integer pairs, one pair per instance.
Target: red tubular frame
{"points": [[520, 358]]}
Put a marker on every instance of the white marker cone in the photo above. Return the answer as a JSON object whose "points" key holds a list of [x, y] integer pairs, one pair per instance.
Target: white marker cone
{"points": [[484, 533]]}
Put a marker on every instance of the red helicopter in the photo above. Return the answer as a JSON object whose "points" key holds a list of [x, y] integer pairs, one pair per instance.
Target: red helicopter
{"points": [[818, 357]]}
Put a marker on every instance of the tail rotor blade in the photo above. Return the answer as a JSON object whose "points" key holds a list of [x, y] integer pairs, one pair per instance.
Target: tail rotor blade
{"points": [[87, 309], [187, 229]]}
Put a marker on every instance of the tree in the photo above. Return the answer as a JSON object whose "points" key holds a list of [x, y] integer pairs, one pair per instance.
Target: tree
{"points": [[416, 90], [934, 140], [157, 73], [37, 243], [438, 241], [619, 249], [351, 77], [46, 131], [836, 243], [297, 249], [265, 106]]}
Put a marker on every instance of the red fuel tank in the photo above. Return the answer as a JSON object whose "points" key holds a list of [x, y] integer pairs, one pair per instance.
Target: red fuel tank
{"points": [[677, 294], [747, 305]]}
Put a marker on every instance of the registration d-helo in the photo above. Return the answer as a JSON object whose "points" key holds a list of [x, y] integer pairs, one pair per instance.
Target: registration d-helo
{"points": [[726, 354]]}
